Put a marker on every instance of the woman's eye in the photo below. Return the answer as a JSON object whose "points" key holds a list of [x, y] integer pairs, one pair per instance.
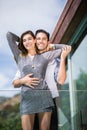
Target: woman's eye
{"points": [[24, 40]]}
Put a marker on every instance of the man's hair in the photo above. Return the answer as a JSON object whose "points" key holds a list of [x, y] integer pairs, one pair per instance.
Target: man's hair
{"points": [[42, 31]]}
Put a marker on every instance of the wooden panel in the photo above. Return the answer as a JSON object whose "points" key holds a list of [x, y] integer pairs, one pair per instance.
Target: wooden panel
{"points": [[61, 19], [64, 22]]}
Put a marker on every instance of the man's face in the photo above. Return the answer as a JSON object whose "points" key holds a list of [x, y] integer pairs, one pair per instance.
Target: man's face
{"points": [[41, 41]]}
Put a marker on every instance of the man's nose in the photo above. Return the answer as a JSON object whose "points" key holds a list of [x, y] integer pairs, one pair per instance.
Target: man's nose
{"points": [[41, 40]]}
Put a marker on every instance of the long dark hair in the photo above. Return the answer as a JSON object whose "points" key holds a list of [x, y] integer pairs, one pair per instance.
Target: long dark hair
{"points": [[21, 46]]}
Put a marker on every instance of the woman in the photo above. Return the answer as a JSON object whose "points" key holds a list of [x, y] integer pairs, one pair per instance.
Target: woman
{"points": [[35, 99]]}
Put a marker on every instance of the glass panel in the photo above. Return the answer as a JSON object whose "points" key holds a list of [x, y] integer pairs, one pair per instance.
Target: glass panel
{"points": [[79, 72], [64, 107], [79, 93]]}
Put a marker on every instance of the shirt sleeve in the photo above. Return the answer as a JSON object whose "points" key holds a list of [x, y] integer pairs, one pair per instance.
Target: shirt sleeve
{"points": [[51, 55], [58, 46], [55, 53], [12, 41], [17, 75]]}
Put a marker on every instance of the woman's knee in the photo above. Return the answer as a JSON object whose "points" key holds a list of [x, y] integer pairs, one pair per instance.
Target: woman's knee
{"points": [[45, 121], [27, 123], [44, 127]]}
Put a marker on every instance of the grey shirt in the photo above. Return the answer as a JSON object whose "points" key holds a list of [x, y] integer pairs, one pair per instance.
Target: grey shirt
{"points": [[37, 66]]}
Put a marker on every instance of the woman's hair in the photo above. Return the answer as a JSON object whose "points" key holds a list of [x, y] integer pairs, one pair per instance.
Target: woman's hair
{"points": [[42, 31], [21, 46]]}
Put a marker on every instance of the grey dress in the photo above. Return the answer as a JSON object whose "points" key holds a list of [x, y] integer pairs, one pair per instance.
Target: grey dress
{"points": [[39, 98]]}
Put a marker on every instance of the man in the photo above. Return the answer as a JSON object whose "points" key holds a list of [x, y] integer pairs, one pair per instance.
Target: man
{"points": [[61, 71], [60, 77]]}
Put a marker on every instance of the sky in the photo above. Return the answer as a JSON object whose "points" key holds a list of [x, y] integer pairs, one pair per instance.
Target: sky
{"points": [[18, 16]]}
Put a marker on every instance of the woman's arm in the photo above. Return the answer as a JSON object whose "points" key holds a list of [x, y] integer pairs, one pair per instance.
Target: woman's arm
{"points": [[55, 46], [55, 53], [12, 41]]}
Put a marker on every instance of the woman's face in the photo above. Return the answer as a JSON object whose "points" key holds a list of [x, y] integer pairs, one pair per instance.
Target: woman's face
{"points": [[29, 42]]}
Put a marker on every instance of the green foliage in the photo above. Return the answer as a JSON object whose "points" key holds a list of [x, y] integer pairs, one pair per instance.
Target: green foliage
{"points": [[64, 101], [10, 119], [81, 84], [81, 94]]}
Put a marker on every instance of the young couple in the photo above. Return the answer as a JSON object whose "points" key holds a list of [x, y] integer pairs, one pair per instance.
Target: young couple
{"points": [[35, 58]]}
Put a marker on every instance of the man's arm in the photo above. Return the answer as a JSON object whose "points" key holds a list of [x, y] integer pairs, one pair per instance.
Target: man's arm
{"points": [[62, 70], [27, 80]]}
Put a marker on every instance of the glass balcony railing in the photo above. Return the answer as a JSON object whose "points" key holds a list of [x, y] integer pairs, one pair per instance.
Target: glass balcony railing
{"points": [[10, 116]]}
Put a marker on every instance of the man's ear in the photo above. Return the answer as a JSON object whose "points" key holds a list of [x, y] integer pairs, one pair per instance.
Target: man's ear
{"points": [[50, 46], [49, 42]]}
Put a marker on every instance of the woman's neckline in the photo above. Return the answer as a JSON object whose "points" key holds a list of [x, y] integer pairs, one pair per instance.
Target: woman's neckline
{"points": [[31, 56]]}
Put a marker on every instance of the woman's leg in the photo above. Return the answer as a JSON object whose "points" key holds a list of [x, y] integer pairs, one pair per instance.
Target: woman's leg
{"points": [[44, 120], [27, 121]]}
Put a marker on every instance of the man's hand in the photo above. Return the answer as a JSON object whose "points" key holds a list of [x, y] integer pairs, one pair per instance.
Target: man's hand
{"points": [[65, 51], [29, 81]]}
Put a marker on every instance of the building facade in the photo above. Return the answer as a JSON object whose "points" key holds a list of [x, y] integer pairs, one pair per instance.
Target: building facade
{"points": [[72, 29]]}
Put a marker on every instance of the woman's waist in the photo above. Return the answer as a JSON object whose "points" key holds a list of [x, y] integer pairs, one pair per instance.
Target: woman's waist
{"points": [[42, 85]]}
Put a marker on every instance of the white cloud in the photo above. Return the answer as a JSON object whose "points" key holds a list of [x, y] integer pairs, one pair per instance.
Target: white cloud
{"points": [[3, 80], [18, 16], [9, 93], [6, 87]]}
